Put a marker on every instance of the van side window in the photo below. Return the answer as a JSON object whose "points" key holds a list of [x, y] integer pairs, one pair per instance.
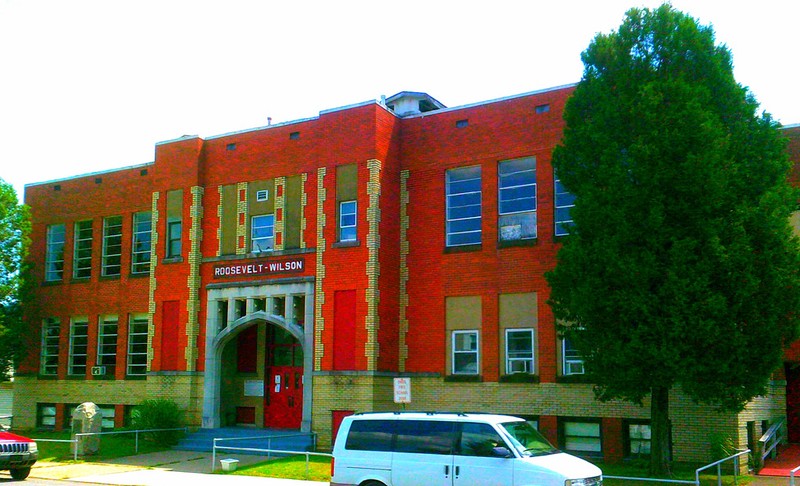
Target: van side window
{"points": [[478, 440], [370, 435], [424, 437]]}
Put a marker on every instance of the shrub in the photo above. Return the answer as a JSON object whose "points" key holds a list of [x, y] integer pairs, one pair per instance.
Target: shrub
{"points": [[159, 414]]}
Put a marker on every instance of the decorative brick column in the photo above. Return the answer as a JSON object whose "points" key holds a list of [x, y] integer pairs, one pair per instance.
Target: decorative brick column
{"points": [[319, 293], [372, 347]]}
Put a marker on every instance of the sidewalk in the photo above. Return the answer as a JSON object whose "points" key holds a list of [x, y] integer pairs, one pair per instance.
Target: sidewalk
{"points": [[158, 468]]}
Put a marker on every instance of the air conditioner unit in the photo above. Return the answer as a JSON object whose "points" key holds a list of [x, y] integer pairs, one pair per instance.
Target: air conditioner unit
{"points": [[98, 370]]}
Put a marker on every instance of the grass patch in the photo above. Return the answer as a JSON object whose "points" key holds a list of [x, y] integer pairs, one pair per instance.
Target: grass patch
{"points": [[111, 446], [293, 467], [680, 472]]}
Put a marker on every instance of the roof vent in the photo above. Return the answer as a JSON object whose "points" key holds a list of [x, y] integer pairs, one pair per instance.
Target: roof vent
{"points": [[406, 103]]}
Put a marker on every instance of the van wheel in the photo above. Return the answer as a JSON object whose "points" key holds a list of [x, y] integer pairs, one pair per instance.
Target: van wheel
{"points": [[20, 473], [373, 483]]}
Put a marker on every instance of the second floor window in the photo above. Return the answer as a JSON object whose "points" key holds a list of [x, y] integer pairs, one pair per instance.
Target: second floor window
{"points": [[54, 256], [140, 251], [262, 233], [51, 331], [564, 202], [112, 246], [348, 211], [82, 257], [174, 229], [516, 181], [463, 206]]}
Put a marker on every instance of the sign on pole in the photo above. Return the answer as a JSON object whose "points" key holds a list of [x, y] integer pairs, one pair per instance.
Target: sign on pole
{"points": [[402, 390]]}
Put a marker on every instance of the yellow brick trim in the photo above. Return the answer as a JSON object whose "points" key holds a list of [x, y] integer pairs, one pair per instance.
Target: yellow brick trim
{"points": [[151, 298], [372, 347], [219, 218], [405, 223], [280, 203], [193, 282], [241, 208], [319, 293], [303, 204]]}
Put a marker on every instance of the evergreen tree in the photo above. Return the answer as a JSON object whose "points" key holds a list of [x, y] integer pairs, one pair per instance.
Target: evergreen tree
{"points": [[680, 269]]}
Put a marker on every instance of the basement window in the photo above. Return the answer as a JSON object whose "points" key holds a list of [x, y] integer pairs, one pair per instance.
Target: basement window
{"points": [[462, 123], [542, 109]]}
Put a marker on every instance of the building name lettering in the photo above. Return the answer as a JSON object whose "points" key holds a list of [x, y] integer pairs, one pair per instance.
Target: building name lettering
{"points": [[259, 268]]}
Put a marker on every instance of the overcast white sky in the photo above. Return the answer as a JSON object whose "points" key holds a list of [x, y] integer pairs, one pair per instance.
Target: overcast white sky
{"points": [[88, 86]]}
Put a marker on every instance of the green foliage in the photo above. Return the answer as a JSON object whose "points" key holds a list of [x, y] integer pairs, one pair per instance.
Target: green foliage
{"points": [[159, 414], [722, 446], [293, 467], [14, 243], [681, 267]]}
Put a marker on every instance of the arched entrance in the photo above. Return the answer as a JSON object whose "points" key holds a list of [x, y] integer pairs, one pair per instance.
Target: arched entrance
{"points": [[258, 355]]}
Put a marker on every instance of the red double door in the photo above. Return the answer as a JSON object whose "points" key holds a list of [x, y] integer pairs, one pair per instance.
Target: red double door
{"points": [[283, 384]]}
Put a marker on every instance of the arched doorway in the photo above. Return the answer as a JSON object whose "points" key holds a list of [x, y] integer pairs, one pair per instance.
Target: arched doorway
{"points": [[258, 355]]}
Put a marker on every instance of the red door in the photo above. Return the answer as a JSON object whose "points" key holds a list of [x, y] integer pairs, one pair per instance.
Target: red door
{"points": [[283, 384]]}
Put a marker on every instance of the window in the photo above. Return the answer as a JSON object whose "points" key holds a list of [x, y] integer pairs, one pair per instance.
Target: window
{"points": [[517, 199], [347, 220], [582, 437], [262, 195], [519, 351], [82, 256], [51, 330], [140, 250], [78, 346], [464, 206], [108, 413], [479, 440], [174, 229], [564, 201], [370, 435], [465, 352], [46, 415], [54, 258], [638, 439], [424, 437], [262, 233], [112, 246], [573, 361], [107, 343], [137, 345]]}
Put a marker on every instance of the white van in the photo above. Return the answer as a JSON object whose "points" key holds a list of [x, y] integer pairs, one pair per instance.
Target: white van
{"points": [[464, 449]]}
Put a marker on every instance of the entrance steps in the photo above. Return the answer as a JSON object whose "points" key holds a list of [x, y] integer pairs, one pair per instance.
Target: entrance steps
{"points": [[203, 440], [787, 459]]}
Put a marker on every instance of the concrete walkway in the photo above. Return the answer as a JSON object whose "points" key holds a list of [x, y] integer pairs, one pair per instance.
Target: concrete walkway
{"points": [[158, 468]]}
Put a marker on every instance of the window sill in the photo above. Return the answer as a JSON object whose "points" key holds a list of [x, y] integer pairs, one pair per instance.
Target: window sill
{"points": [[139, 275], [346, 244], [463, 248], [136, 377], [47, 377], [519, 378], [174, 259], [80, 280], [517, 243], [109, 277], [50, 283], [463, 379]]}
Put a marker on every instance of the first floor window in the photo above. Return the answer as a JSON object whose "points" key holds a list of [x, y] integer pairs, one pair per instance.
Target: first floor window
{"points": [[347, 220], [517, 199], [573, 361], [465, 352], [262, 233], [519, 351], [109, 413], [82, 258], [137, 345], [51, 330], [78, 346], [107, 343], [582, 437], [463, 206], [140, 250], [46, 415], [112, 246], [54, 256]]}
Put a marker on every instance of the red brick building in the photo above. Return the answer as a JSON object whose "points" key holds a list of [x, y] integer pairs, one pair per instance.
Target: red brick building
{"points": [[283, 276]]}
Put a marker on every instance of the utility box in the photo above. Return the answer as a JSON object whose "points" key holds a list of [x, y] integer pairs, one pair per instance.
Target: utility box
{"points": [[229, 465], [86, 418]]}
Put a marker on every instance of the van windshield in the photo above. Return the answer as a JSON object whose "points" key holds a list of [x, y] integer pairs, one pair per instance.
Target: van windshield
{"points": [[527, 440]]}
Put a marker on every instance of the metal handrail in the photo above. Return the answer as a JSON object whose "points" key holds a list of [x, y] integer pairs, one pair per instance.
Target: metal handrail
{"points": [[791, 475], [86, 434], [768, 443], [696, 481], [268, 450]]}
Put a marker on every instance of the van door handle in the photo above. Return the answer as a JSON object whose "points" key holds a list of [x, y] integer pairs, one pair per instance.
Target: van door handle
{"points": [[446, 471], [458, 470]]}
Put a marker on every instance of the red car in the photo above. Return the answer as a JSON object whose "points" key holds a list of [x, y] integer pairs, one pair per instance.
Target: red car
{"points": [[17, 454]]}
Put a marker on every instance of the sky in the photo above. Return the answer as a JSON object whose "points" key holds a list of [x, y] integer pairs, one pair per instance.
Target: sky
{"points": [[92, 85]]}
